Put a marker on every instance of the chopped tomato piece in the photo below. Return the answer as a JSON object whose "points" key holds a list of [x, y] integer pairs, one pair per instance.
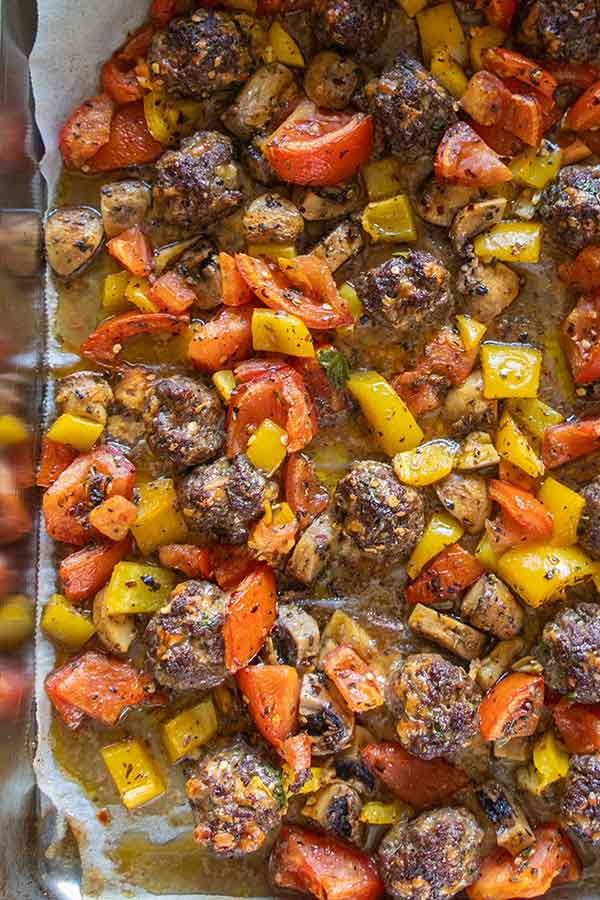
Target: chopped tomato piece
{"points": [[445, 577], [119, 81], [250, 369], [86, 130], [130, 143], [317, 147], [296, 751], [584, 115], [223, 339], [14, 685], [303, 491], [353, 678], [421, 782], [272, 694], [514, 475], [187, 558], [231, 563], [303, 286], [270, 540], [172, 293], [106, 342], [578, 75], [512, 708], [504, 877], [583, 272], [486, 98], [250, 616], [137, 43], [578, 724], [463, 158], [85, 484], [15, 520], [570, 440], [233, 286], [523, 517], [582, 332], [525, 119], [86, 571], [509, 64], [328, 400], [316, 864], [54, 460], [162, 11], [133, 251], [501, 141], [114, 517], [500, 12], [444, 362]]}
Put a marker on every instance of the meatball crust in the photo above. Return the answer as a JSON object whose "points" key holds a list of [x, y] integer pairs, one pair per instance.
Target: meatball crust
{"points": [[432, 857], [199, 182], [184, 421], [436, 705], [383, 517], [200, 55], [184, 640], [589, 524], [580, 808], [222, 501], [570, 652], [411, 110], [355, 25], [561, 30], [410, 293], [236, 798], [570, 208]]}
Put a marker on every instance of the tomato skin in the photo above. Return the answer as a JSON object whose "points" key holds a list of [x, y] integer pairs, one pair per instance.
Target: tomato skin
{"points": [[86, 571], [581, 329], [172, 294], [353, 678], [193, 561], [501, 141], [272, 694], [130, 143], [501, 12], [233, 286], [133, 250], [162, 11], [513, 475], [583, 272], [250, 616], [300, 157], [523, 518], [513, 707], [420, 782], [119, 81], [464, 158], [509, 64], [105, 343], [231, 563], [445, 577], [223, 339], [86, 131], [296, 751], [585, 112], [316, 864], [14, 686], [55, 458], [329, 401], [303, 491], [578, 724]]}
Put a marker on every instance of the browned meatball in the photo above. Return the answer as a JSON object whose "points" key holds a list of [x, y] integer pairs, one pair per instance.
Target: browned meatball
{"points": [[200, 55], [222, 501], [579, 807], [411, 110], [356, 25], [570, 652], [331, 80], [562, 30], [409, 293], [184, 640], [570, 208], [589, 524], [383, 517], [199, 182], [184, 421], [435, 703], [236, 797]]}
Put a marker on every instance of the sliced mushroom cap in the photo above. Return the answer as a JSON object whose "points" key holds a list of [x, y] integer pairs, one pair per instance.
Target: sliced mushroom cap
{"points": [[336, 809], [489, 288], [490, 606], [116, 632], [264, 98], [474, 218], [313, 549], [450, 633], [74, 235], [439, 201], [271, 217], [466, 497], [324, 715], [350, 766], [296, 637], [340, 245], [477, 451], [465, 407], [513, 831], [123, 205], [320, 204], [488, 670]]}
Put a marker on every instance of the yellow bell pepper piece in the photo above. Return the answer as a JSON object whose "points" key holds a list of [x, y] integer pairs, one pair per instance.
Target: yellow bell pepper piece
{"points": [[309, 787], [513, 446], [482, 39], [557, 363], [539, 572], [566, 507], [484, 554], [387, 414], [471, 331], [267, 447], [190, 729], [225, 383], [169, 120], [282, 514], [550, 759], [134, 772], [349, 294], [448, 72], [16, 621], [76, 431], [376, 813], [137, 588], [510, 370], [277, 251], [511, 242], [382, 178], [441, 531], [343, 629], [113, 291], [440, 25], [538, 168], [390, 220], [427, 463], [136, 292], [64, 624], [159, 520], [285, 48], [412, 7], [281, 332], [534, 415], [13, 430]]}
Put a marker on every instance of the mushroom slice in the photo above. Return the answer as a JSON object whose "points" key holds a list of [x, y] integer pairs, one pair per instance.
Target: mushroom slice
{"points": [[466, 498], [336, 809], [465, 407], [450, 633], [489, 605], [340, 245], [115, 632], [474, 218], [516, 749], [296, 636], [313, 549], [513, 831], [439, 201], [324, 715], [123, 205], [477, 451], [350, 766], [489, 288], [488, 670], [74, 235]]}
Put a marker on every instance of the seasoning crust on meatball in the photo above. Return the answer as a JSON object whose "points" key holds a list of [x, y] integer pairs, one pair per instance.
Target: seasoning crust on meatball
{"points": [[570, 208], [560, 30], [580, 806], [589, 524], [355, 25], [570, 652]]}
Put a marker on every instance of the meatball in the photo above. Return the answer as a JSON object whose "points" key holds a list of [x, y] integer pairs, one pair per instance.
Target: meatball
{"points": [[383, 517], [570, 652], [223, 500], [435, 703], [589, 525], [271, 217], [331, 80], [431, 857], [410, 109], [85, 394], [184, 421], [580, 808], [236, 797], [561, 30], [409, 293], [199, 182], [356, 25], [184, 640], [570, 208], [200, 55]]}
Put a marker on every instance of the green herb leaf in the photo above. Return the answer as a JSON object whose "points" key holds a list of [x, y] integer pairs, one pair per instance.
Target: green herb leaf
{"points": [[335, 366]]}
